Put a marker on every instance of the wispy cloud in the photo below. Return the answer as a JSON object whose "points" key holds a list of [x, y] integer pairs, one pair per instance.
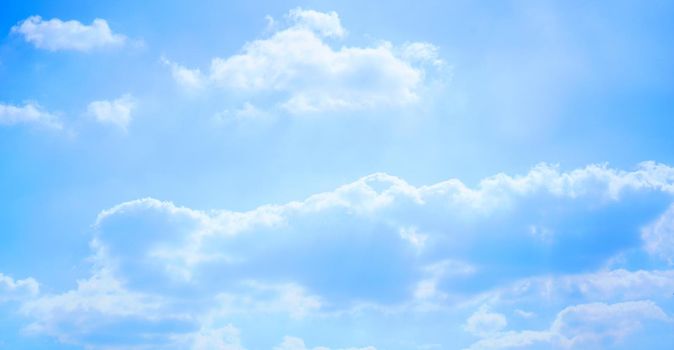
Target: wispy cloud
{"points": [[580, 326], [31, 113]]}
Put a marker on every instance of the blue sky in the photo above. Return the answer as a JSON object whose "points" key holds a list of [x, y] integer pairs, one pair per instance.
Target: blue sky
{"points": [[336, 175]]}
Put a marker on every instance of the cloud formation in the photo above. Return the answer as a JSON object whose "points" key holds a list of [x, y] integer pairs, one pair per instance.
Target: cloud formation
{"points": [[609, 285], [300, 65], [581, 326], [659, 236], [191, 272], [484, 322], [117, 112], [382, 206], [11, 289], [30, 113], [57, 35]]}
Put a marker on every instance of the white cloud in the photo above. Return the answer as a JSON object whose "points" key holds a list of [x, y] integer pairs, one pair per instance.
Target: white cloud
{"points": [[187, 264], [325, 23], [415, 238], [222, 338], [294, 343], [193, 240], [513, 340], [309, 75], [581, 326], [11, 289], [190, 79], [659, 237], [617, 285], [421, 52], [427, 293], [291, 343], [94, 303], [484, 322], [117, 112], [55, 34], [28, 113], [381, 195], [591, 322]]}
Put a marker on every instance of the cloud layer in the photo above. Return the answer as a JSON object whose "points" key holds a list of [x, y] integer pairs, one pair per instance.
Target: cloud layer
{"points": [[580, 326], [110, 200], [191, 272]]}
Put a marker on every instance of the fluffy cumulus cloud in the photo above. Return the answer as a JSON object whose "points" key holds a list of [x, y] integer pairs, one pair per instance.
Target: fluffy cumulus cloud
{"points": [[380, 246], [28, 113], [594, 325], [307, 72], [57, 35], [117, 112]]}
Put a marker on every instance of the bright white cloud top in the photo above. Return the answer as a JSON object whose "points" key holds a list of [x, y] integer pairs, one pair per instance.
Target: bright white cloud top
{"points": [[57, 35], [301, 63]]}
